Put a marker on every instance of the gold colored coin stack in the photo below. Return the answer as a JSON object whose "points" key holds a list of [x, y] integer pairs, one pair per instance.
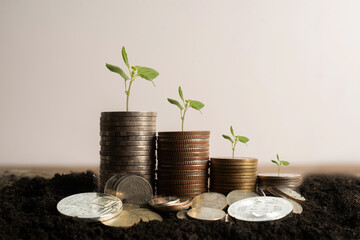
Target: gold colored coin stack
{"points": [[286, 180], [128, 144], [227, 174], [183, 160]]}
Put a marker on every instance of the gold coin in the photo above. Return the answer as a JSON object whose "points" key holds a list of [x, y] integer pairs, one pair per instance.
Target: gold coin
{"points": [[125, 219], [147, 215], [206, 214]]}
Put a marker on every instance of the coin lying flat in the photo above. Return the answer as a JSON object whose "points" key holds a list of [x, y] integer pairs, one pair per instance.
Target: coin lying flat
{"points": [[237, 195], [164, 201], [206, 213], [90, 206], [210, 199], [289, 193], [147, 215], [259, 209], [125, 219]]}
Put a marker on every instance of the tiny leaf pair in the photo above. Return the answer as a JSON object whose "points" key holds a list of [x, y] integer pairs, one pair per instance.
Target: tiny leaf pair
{"points": [[186, 105], [279, 163], [134, 71], [235, 140]]}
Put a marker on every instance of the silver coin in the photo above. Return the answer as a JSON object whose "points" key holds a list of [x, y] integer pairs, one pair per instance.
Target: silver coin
{"points": [[206, 213], [210, 199], [127, 119], [289, 193], [127, 124], [134, 189], [90, 206], [237, 195], [127, 133], [125, 219], [260, 209], [164, 201], [128, 129], [181, 214], [147, 215], [297, 208]]}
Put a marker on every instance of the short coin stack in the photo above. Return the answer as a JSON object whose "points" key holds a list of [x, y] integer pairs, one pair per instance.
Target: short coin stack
{"points": [[183, 159], [128, 144], [227, 174], [287, 180]]}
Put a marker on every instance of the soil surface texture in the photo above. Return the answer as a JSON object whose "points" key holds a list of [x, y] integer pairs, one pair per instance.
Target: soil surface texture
{"points": [[28, 211]]}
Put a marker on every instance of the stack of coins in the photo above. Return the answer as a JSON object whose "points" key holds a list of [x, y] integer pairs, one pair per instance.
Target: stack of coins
{"points": [[128, 144], [183, 159], [286, 180], [227, 174]]}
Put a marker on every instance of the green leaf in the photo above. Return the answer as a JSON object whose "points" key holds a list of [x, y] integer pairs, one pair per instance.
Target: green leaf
{"points": [[124, 55], [181, 94], [242, 139], [136, 67], [232, 131], [277, 155], [196, 104], [172, 101], [147, 73], [228, 138], [275, 162], [118, 70], [285, 163]]}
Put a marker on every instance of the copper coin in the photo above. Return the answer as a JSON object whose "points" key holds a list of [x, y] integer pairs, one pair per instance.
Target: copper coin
{"points": [[167, 185], [128, 114], [127, 148], [127, 153], [183, 145], [183, 159], [126, 133], [184, 133], [125, 119], [127, 124], [128, 143], [181, 191], [128, 158], [186, 182], [182, 167], [205, 140], [166, 162], [172, 150], [163, 177], [129, 138], [234, 160], [128, 129], [163, 154]]}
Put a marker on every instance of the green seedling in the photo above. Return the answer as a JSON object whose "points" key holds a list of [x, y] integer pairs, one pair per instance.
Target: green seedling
{"points": [[185, 106], [235, 140], [134, 71], [279, 163]]}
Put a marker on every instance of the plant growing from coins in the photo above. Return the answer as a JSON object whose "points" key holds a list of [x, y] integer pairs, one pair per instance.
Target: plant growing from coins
{"points": [[279, 163], [186, 105], [134, 71], [235, 139]]}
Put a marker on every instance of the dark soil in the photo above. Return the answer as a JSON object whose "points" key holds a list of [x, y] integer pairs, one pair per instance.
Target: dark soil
{"points": [[28, 211]]}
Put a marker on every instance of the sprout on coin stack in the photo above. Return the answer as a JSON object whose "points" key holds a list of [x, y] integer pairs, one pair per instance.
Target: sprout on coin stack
{"points": [[279, 179], [235, 173], [128, 139], [183, 156]]}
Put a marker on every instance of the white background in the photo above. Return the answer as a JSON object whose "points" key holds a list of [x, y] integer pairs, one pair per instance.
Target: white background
{"points": [[286, 74]]}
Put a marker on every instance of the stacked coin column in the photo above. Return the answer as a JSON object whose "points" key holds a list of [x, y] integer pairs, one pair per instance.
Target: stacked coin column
{"points": [[227, 174], [183, 159], [128, 145]]}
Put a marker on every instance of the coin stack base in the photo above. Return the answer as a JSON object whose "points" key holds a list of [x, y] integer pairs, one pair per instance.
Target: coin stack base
{"points": [[183, 159], [285, 180], [227, 174], [128, 145]]}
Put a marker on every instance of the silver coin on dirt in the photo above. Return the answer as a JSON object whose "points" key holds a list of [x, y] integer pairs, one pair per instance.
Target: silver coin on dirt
{"points": [[134, 189], [210, 199], [90, 206], [260, 209], [237, 195]]}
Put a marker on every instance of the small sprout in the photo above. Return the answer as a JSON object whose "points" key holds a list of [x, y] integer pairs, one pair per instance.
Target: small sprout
{"points": [[186, 105], [134, 71], [235, 140], [279, 163]]}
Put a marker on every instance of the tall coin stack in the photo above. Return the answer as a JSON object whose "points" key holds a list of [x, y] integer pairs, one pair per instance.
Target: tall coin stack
{"points": [[128, 144], [227, 174], [183, 159]]}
